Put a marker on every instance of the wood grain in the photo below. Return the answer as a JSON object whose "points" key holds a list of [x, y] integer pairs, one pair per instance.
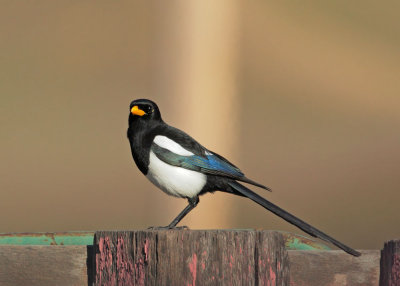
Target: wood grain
{"points": [[214, 257], [390, 264], [43, 265]]}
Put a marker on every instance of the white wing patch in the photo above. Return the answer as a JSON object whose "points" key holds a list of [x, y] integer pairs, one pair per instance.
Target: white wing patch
{"points": [[171, 145], [175, 181]]}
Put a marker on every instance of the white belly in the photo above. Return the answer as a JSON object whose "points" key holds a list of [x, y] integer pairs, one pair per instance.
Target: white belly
{"points": [[175, 181]]}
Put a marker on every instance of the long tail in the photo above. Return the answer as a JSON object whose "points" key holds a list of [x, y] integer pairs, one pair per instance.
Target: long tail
{"points": [[289, 217]]}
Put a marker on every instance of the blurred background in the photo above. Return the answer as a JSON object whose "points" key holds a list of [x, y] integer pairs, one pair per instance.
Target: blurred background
{"points": [[303, 96]]}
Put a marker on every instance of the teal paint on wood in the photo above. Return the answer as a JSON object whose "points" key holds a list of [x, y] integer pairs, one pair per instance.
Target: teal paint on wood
{"points": [[298, 242], [47, 238]]}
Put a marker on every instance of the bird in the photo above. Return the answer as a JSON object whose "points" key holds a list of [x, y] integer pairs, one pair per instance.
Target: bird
{"points": [[181, 167]]}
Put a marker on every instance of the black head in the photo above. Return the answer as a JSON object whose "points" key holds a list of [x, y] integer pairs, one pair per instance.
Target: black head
{"points": [[144, 109]]}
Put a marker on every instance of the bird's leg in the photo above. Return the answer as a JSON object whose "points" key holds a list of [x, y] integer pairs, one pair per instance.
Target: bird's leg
{"points": [[192, 204]]}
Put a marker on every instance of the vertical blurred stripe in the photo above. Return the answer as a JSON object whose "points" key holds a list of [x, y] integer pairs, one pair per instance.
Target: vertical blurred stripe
{"points": [[196, 68]]}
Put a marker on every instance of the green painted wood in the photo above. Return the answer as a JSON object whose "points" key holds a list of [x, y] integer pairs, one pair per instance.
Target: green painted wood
{"points": [[292, 241], [298, 242], [47, 238]]}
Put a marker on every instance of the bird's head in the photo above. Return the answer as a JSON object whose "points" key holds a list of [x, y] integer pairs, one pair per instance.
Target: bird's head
{"points": [[144, 109]]}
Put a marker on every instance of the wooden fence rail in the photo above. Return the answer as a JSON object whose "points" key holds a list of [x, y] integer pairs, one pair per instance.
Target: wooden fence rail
{"points": [[191, 257]]}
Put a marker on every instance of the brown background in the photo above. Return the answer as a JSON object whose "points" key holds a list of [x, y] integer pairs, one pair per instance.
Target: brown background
{"points": [[303, 96]]}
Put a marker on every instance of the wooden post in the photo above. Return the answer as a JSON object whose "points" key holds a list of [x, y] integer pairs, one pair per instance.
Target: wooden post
{"points": [[197, 257], [390, 264]]}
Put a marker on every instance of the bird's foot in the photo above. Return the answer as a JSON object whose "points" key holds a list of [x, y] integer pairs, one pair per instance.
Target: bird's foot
{"points": [[168, 227]]}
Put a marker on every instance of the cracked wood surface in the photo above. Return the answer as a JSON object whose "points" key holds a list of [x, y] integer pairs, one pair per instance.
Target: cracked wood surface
{"points": [[191, 257]]}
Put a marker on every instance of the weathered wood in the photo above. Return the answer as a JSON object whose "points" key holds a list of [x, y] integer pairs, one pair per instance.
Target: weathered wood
{"points": [[334, 268], [195, 257], [390, 264], [271, 259], [198, 257], [43, 265]]}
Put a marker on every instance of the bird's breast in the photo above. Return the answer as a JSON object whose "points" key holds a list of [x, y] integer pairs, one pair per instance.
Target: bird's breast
{"points": [[175, 181]]}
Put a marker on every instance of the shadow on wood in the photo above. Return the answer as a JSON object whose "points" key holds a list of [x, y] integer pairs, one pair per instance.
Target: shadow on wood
{"points": [[390, 264]]}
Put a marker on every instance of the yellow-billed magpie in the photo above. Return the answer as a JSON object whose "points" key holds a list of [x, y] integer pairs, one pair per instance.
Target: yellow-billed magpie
{"points": [[181, 167]]}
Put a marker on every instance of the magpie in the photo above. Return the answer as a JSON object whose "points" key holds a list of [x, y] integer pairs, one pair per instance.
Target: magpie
{"points": [[181, 167]]}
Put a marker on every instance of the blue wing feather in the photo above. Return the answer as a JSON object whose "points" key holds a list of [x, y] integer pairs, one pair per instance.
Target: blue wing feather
{"points": [[213, 164]]}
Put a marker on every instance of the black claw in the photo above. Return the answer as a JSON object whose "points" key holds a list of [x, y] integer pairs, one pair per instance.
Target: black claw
{"points": [[180, 227], [157, 227], [168, 227]]}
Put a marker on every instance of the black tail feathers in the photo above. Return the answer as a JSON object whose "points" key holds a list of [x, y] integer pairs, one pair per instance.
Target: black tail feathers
{"points": [[289, 217]]}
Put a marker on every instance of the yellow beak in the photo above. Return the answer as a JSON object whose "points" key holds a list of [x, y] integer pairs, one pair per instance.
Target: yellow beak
{"points": [[136, 111]]}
